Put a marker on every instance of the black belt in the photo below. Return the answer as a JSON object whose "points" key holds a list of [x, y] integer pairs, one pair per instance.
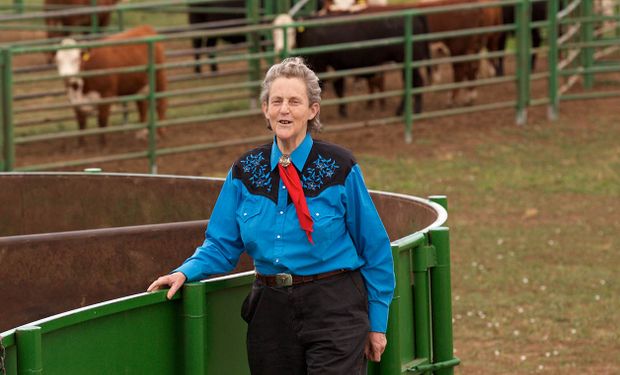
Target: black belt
{"points": [[286, 279]]}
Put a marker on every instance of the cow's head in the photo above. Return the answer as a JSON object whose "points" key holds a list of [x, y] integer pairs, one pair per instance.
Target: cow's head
{"points": [[69, 62], [278, 35]]}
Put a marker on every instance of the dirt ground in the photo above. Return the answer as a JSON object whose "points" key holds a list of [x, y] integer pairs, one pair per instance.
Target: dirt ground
{"points": [[457, 132]]}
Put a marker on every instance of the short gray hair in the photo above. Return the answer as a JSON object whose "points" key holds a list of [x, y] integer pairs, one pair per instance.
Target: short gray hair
{"points": [[295, 67]]}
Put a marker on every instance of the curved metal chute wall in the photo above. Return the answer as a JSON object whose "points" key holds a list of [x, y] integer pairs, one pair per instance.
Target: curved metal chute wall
{"points": [[73, 239], [199, 331]]}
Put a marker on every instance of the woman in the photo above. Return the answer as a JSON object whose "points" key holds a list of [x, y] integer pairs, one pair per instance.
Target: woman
{"points": [[325, 278]]}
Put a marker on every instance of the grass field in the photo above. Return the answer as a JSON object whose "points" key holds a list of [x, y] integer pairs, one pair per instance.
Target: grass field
{"points": [[535, 223]]}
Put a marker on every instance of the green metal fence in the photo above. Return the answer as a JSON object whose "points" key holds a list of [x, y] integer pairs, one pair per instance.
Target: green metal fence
{"points": [[34, 109], [198, 331]]}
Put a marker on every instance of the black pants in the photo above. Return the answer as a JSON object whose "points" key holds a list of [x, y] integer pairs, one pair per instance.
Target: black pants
{"points": [[317, 328]]}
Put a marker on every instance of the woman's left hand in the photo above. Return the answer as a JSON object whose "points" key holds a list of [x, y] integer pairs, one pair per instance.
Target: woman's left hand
{"points": [[375, 345]]}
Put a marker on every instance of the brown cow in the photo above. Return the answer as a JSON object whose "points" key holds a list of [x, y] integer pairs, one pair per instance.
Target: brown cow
{"points": [[463, 45], [82, 91], [73, 20]]}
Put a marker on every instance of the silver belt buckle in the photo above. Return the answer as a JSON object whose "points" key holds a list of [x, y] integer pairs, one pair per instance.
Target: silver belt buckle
{"points": [[284, 279]]}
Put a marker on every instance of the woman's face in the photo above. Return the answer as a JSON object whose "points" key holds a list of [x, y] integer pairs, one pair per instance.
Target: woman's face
{"points": [[288, 110]]}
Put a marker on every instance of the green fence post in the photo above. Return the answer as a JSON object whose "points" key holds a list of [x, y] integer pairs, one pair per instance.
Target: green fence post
{"points": [[552, 37], [194, 324], [19, 6], [408, 20], [2, 110], [441, 200], [94, 18], [269, 8], [152, 121], [587, 36], [422, 260], [522, 18], [29, 355], [252, 8], [617, 20], [441, 300], [8, 147], [282, 6], [390, 360], [120, 17]]}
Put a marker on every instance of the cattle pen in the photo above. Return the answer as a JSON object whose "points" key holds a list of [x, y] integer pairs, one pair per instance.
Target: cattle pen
{"points": [[199, 331], [219, 106]]}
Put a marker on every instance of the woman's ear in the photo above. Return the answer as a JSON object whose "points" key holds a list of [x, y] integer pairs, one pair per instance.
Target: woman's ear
{"points": [[314, 110], [265, 112]]}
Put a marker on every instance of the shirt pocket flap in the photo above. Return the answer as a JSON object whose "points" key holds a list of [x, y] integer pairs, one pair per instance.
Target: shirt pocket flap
{"points": [[249, 211]]}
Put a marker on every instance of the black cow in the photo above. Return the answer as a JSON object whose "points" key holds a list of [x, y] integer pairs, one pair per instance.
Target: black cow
{"points": [[538, 12], [200, 15], [202, 18], [364, 57]]}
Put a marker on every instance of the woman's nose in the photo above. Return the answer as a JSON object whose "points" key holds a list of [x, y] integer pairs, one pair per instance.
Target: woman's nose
{"points": [[284, 107]]}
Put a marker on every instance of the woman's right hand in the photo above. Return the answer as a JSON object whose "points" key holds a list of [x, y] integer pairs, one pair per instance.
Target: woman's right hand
{"points": [[174, 281]]}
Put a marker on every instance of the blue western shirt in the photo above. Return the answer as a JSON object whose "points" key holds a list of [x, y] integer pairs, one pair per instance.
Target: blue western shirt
{"points": [[254, 213]]}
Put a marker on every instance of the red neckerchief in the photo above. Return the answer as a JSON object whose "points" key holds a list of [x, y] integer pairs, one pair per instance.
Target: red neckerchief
{"points": [[290, 177]]}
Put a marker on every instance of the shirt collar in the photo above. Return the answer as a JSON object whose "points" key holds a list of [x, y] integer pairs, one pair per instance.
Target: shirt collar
{"points": [[298, 157]]}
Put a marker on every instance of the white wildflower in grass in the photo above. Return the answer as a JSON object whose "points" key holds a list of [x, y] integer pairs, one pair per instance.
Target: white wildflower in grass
{"points": [[541, 367], [523, 357], [474, 264], [525, 280], [500, 241], [489, 325], [520, 310], [496, 324], [470, 313], [547, 354], [543, 288], [573, 331], [556, 352], [481, 314], [551, 242], [516, 332], [545, 337], [457, 297], [602, 282], [500, 256], [597, 297], [458, 316], [532, 320], [497, 352]]}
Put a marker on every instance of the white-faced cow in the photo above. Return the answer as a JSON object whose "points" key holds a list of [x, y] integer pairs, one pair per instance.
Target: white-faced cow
{"points": [[355, 58], [82, 91]]}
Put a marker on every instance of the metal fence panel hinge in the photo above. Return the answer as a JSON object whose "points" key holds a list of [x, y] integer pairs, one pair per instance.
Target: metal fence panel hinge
{"points": [[424, 257]]}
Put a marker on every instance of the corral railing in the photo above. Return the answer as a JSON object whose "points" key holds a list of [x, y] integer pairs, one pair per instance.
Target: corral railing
{"points": [[35, 111], [198, 332]]}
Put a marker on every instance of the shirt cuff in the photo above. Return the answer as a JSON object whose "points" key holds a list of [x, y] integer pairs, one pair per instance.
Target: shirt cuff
{"points": [[192, 273], [378, 316]]}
